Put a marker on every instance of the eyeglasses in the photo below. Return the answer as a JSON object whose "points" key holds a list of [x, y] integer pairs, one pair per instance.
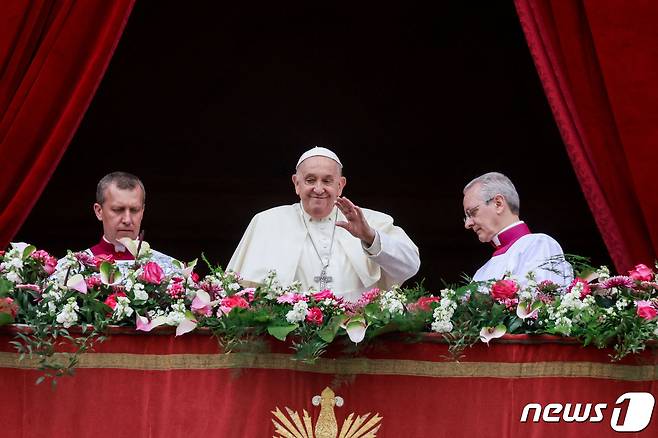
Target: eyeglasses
{"points": [[473, 211]]}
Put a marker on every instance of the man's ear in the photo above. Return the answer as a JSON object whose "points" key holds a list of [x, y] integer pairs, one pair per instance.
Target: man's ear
{"points": [[343, 182], [499, 202], [294, 182], [98, 210]]}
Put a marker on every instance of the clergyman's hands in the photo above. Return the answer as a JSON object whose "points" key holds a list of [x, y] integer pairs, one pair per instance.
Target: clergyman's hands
{"points": [[356, 223]]}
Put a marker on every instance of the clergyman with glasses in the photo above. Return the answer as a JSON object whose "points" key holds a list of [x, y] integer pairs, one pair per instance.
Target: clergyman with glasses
{"points": [[491, 210], [325, 241]]}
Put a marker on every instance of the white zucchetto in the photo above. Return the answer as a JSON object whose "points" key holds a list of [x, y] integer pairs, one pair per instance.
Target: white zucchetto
{"points": [[318, 151]]}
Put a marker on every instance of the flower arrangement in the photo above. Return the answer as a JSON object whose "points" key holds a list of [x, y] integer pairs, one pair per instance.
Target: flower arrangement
{"points": [[90, 293]]}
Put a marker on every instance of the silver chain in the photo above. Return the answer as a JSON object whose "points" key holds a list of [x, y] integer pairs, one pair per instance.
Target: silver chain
{"points": [[331, 246]]}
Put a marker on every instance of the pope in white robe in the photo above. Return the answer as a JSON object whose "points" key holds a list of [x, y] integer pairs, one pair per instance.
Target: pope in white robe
{"points": [[491, 208], [325, 241]]}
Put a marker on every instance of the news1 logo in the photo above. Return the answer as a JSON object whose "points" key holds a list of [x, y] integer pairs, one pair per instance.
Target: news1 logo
{"points": [[637, 418]]}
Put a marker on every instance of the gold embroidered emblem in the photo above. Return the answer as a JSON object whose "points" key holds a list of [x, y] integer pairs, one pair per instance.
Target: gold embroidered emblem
{"points": [[326, 425]]}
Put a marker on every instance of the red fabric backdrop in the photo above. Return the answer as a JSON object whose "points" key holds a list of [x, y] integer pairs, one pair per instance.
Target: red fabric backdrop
{"points": [[598, 60], [53, 54]]}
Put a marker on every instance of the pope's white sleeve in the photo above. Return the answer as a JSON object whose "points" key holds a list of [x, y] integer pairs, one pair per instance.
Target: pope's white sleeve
{"points": [[398, 256]]}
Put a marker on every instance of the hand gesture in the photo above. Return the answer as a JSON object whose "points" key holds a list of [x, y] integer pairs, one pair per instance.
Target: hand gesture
{"points": [[356, 223]]}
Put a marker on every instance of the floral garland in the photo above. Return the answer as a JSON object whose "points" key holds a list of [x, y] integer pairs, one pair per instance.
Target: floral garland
{"points": [[90, 292]]}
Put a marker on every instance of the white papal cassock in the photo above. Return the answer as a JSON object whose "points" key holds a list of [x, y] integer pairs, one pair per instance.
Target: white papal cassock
{"points": [[280, 239]]}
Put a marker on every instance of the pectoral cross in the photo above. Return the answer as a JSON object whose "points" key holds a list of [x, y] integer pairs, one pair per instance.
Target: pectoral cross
{"points": [[323, 279]]}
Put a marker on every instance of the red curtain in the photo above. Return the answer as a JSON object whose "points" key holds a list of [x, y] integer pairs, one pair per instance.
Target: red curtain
{"points": [[598, 61], [53, 54]]}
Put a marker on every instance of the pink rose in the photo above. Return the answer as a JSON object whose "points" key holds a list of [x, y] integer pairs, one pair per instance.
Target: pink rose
{"points": [[504, 289], [423, 304], [228, 303], [111, 300], [641, 273], [585, 287], [645, 310], [314, 315], [152, 273], [99, 259]]}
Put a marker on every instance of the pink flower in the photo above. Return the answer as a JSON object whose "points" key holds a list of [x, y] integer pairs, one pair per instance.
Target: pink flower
{"points": [[8, 306], [641, 273], [111, 300], [249, 292], [202, 304], [423, 304], [504, 289], [176, 290], [585, 287], [366, 298], [290, 298], [617, 281], [99, 259], [152, 273], [228, 303], [548, 287], [323, 295], [314, 315], [645, 310], [93, 281], [195, 277], [49, 262]]}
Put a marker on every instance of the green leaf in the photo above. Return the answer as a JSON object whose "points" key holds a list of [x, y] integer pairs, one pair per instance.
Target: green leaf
{"points": [[6, 286], [514, 325], [374, 312], [328, 333], [5, 319], [28, 250], [280, 332]]}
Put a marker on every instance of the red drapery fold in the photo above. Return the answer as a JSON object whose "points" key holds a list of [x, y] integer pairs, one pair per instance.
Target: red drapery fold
{"points": [[53, 54], [597, 61]]}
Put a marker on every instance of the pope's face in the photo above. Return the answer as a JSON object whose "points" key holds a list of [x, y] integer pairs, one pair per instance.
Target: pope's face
{"points": [[480, 214], [318, 182], [121, 212]]}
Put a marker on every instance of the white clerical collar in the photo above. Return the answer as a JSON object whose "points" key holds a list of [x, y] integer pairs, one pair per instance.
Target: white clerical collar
{"points": [[117, 246], [310, 219], [496, 240]]}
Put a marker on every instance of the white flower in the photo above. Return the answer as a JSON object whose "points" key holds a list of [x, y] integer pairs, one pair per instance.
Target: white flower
{"points": [[13, 277], [15, 263], [122, 309], [393, 301], [442, 326], [621, 304], [603, 273], [175, 318], [298, 312], [234, 286], [140, 293], [68, 316]]}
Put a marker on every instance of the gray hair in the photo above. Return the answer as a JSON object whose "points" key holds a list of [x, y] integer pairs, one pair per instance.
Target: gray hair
{"points": [[123, 181], [495, 183]]}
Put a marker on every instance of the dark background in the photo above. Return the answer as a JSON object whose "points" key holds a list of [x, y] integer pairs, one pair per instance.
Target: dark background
{"points": [[212, 104]]}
